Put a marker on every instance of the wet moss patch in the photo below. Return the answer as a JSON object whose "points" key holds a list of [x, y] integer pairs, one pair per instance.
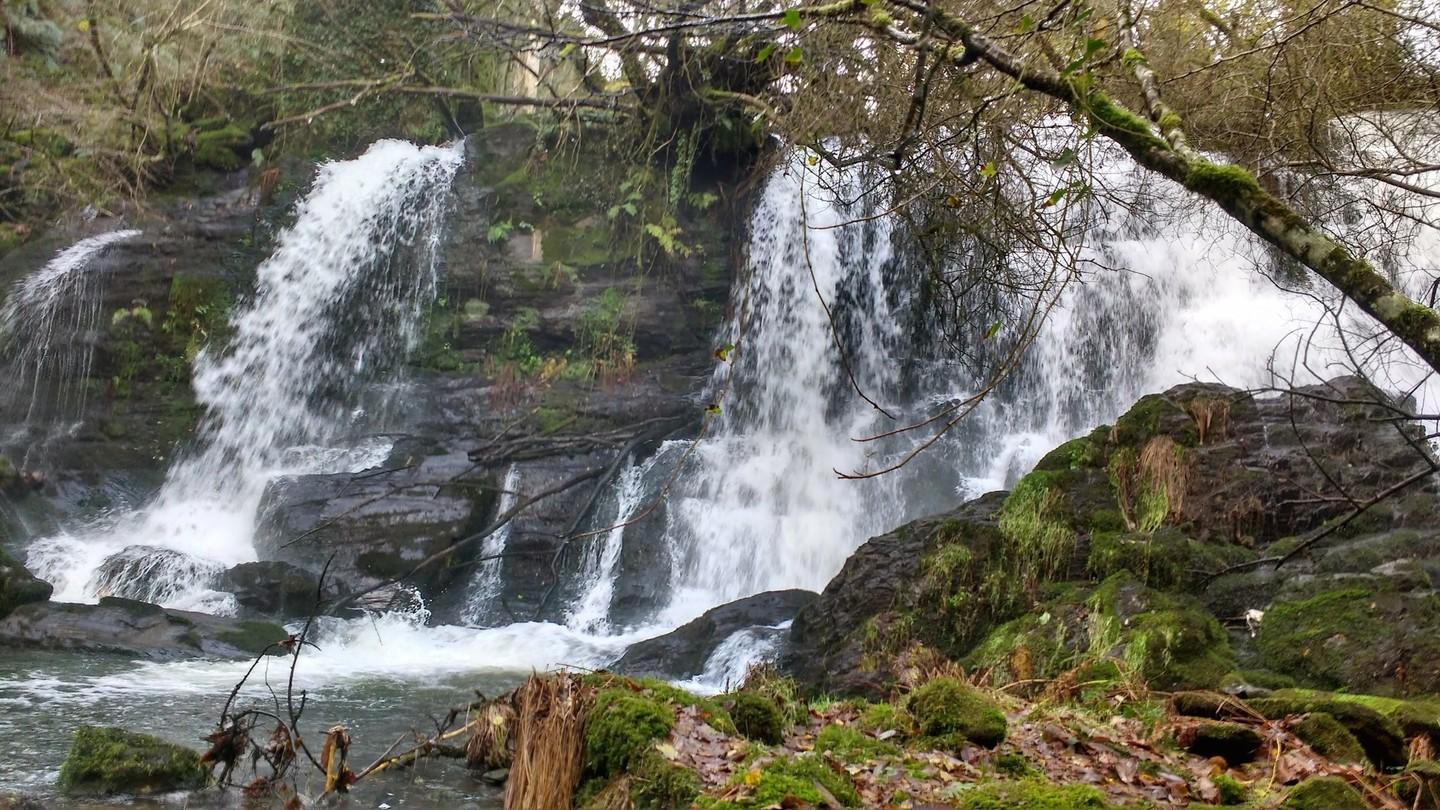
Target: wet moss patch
{"points": [[116, 761]]}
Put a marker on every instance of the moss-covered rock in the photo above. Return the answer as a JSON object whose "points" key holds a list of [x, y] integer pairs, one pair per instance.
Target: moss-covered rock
{"points": [[1169, 641], [1358, 637], [710, 709], [18, 586], [652, 783], [1031, 794], [948, 706], [1329, 737], [621, 728], [877, 718], [1382, 737], [1324, 793], [116, 761], [756, 717], [1235, 742]]}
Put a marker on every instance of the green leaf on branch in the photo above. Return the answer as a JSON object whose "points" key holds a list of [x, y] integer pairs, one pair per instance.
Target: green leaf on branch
{"points": [[795, 56], [723, 353], [765, 53], [792, 19], [994, 327], [1026, 23]]}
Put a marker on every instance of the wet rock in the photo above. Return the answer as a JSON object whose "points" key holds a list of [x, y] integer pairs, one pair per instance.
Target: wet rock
{"points": [[18, 586], [683, 652], [1199, 479], [274, 589], [109, 761], [373, 526], [154, 575], [127, 627]]}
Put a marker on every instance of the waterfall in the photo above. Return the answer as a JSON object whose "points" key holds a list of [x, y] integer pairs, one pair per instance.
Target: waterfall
{"points": [[336, 304], [47, 333], [591, 612], [488, 581], [1169, 290], [759, 506]]}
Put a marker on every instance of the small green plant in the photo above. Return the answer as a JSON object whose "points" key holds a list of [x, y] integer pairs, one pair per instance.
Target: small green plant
{"points": [[499, 231]]}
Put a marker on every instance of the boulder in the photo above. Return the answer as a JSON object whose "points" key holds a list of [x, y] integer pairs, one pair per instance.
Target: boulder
{"points": [[274, 589], [18, 586], [682, 653], [1199, 479], [373, 526], [139, 629], [109, 761]]}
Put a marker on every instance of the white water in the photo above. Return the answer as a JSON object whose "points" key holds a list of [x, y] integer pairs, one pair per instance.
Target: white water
{"points": [[487, 583], [591, 612], [48, 326], [759, 507], [338, 300]]}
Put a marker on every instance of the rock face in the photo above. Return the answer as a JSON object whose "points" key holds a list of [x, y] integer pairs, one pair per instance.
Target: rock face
{"points": [[136, 628], [375, 525], [274, 589], [18, 586], [1127, 550], [683, 652], [108, 761]]}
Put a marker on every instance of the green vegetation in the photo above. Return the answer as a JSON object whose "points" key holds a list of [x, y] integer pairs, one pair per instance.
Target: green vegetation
{"points": [[850, 744], [622, 728], [112, 760], [756, 717], [1328, 736], [794, 778], [948, 706], [1029, 794], [1324, 793]]}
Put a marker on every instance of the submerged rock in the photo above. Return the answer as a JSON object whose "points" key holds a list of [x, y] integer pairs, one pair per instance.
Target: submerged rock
{"points": [[112, 760], [683, 653], [18, 586], [139, 629]]}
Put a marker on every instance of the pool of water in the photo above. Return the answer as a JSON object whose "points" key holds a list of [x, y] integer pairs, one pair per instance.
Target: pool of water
{"points": [[44, 696]]}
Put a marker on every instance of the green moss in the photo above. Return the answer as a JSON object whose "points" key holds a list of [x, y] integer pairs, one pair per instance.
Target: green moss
{"points": [[652, 783], [113, 760], [951, 706], [621, 728], [757, 717], [782, 781], [1171, 642], [576, 245], [881, 717], [784, 691], [1328, 736], [1231, 791], [850, 744], [1036, 645], [1324, 793], [656, 689], [1220, 181], [1030, 794], [1349, 637], [1072, 455], [219, 144], [1015, 766], [1382, 737], [254, 636]]}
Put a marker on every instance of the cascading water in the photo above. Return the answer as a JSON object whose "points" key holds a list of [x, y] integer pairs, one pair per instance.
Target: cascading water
{"points": [[591, 612], [486, 585], [760, 507], [338, 300], [47, 334]]}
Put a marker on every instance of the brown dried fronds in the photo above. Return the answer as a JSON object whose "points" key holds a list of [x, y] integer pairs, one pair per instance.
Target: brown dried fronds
{"points": [[492, 740], [549, 742], [1211, 416]]}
